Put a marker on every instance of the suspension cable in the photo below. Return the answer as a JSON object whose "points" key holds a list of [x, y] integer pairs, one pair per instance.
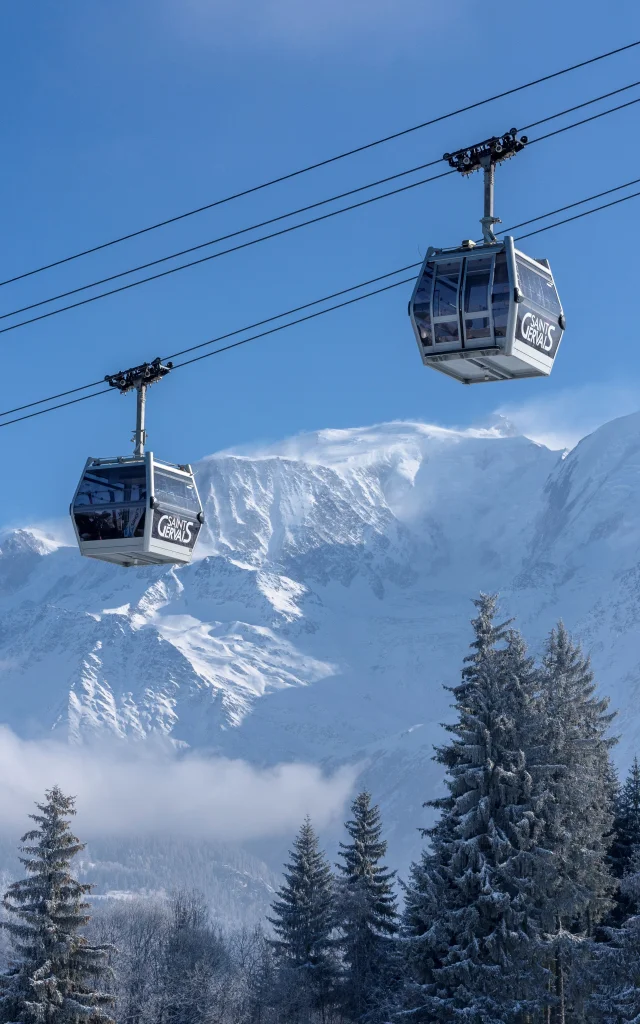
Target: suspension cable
{"points": [[263, 238], [222, 337], [310, 206], [318, 313], [378, 291], [578, 106], [578, 216], [223, 252], [321, 163], [233, 234]]}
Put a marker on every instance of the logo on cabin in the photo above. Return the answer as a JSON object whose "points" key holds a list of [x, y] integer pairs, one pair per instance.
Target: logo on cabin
{"points": [[539, 333], [173, 528]]}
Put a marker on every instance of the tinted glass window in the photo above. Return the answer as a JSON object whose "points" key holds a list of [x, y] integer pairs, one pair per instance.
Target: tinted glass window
{"points": [[446, 332], [500, 296], [445, 292], [112, 486], [537, 287], [110, 524], [476, 285], [423, 294], [174, 490], [479, 327], [422, 306], [423, 324]]}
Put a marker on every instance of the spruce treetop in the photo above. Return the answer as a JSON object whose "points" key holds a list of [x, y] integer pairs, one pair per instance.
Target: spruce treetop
{"points": [[361, 869], [52, 974], [303, 911], [362, 855]]}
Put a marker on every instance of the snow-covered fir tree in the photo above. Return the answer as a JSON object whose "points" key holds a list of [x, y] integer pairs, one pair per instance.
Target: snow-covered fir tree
{"points": [[626, 840], [613, 991], [471, 926], [367, 915], [52, 977], [575, 738], [303, 920]]}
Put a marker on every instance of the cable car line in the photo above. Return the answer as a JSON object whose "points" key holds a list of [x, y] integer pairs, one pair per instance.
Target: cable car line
{"points": [[233, 234], [292, 213], [586, 120], [223, 252], [569, 206], [579, 106], [330, 309], [326, 298], [293, 323], [321, 163], [262, 238], [578, 216], [62, 405], [399, 270], [302, 209], [222, 337], [289, 312], [378, 291], [226, 348], [52, 398]]}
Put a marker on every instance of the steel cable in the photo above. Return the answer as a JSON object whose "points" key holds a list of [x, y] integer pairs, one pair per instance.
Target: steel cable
{"points": [[322, 163], [329, 309], [263, 238]]}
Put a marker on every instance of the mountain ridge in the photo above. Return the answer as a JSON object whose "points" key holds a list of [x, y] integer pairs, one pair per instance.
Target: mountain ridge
{"points": [[330, 599]]}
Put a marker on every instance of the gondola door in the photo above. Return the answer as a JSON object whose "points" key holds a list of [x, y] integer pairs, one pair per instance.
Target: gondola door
{"points": [[176, 513]]}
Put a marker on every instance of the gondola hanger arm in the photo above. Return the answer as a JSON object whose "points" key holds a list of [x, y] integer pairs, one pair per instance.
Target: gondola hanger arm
{"points": [[139, 376], [483, 156]]}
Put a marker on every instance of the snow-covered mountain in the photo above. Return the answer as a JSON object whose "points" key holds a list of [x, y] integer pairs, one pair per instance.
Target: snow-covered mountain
{"points": [[331, 600]]}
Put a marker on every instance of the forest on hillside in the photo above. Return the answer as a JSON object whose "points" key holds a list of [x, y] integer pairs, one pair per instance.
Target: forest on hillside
{"points": [[524, 907]]}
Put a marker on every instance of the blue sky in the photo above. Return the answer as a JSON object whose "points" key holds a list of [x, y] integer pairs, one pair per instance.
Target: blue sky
{"points": [[120, 114]]}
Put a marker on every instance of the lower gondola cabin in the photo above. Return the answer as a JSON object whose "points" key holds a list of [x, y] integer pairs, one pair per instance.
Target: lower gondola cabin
{"points": [[137, 511]]}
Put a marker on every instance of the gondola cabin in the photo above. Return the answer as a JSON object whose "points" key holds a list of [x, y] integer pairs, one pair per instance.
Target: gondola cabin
{"points": [[137, 511], [486, 313]]}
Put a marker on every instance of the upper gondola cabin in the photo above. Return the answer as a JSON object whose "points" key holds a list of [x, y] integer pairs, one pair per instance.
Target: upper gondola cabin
{"points": [[486, 313]]}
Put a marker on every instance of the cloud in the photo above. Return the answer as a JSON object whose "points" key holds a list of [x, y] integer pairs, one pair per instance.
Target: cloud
{"points": [[125, 789], [562, 418], [52, 533]]}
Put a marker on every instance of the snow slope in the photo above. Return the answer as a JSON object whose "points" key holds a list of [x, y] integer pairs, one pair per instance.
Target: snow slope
{"points": [[332, 599]]}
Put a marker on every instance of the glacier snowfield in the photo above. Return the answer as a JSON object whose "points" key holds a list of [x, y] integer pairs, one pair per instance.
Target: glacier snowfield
{"points": [[330, 601]]}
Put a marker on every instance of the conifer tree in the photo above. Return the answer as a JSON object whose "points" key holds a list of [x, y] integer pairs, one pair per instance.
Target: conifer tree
{"points": [[303, 920], [471, 921], [51, 979], [575, 746], [614, 984], [577, 740], [626, 840], [367, 912]]}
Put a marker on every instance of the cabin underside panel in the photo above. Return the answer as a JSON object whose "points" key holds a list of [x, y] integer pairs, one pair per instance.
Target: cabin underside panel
{"points": [[481, 368]]}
